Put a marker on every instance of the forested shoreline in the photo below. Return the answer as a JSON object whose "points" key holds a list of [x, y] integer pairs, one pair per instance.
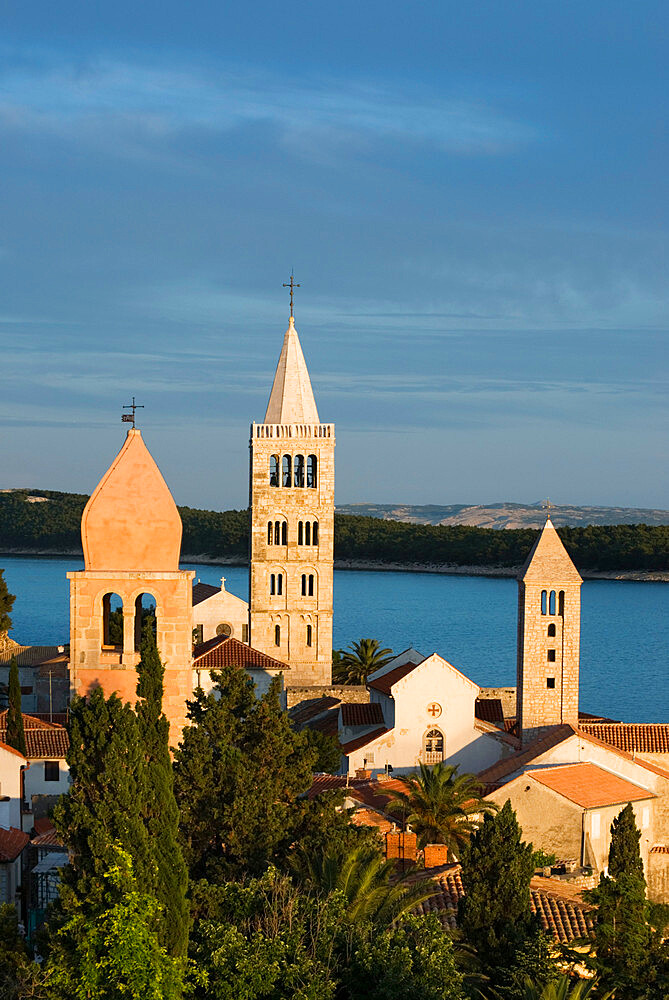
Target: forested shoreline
{"points": [[53, 526]]}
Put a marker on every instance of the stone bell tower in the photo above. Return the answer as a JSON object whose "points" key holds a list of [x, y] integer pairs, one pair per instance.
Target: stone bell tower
{"points": [[549, 628], [292, 524], [131, 536]]}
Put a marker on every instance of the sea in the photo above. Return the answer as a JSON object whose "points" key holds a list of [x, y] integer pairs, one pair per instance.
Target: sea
{"points": [[469, 620]]}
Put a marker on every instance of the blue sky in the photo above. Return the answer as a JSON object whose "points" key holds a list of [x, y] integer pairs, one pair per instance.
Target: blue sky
{"points": [[473, 197]]}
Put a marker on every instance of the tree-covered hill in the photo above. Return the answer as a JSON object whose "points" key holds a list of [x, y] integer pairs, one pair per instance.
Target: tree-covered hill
{"points": [[47, 521]]}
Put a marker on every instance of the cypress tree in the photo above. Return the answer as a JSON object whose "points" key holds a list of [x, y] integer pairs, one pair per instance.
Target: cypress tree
{"points": [[16, 736], [623, 937], [101, 809], [495, 915], [160, 811]]}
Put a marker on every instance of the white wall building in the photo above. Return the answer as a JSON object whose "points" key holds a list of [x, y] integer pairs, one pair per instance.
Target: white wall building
{"points": [[421, 710], [218, 612], [12, 839]]}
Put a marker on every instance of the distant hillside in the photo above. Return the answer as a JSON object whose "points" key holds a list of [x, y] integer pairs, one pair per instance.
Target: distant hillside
{"points": [[48, 523], [506, 515]]}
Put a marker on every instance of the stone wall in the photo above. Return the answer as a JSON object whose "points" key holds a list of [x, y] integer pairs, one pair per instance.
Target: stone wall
{"points": [[353, 694]]}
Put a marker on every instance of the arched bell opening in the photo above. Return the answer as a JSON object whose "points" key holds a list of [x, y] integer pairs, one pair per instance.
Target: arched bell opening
{"points": [[145, 614]]}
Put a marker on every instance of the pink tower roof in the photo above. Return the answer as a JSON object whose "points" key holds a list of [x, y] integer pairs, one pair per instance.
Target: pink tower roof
{"points": [[131, 522]]}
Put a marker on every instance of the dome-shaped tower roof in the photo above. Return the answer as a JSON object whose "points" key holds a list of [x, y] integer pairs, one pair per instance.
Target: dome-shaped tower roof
{"points": [[131, 522]]}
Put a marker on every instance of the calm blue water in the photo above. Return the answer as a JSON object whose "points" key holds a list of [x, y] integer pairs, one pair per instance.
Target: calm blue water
{"points": [[471, 621]]}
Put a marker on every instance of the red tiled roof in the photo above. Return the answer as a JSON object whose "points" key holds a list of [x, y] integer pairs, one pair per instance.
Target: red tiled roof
{"points": [[498, 773], [362, 741], [225, 651], [29, 656], [44, 740], [12, 842], [489, 709], [47, 839], [588, 785], [327, 724], [370, 817], [386, 681], [306, 710], [376, 793], [561, 915], [362, 715], [630, 736], [201, 591]]}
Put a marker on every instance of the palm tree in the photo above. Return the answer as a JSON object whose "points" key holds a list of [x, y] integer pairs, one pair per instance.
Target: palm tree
{"points": [[371, 886], [360, 659], [442, 806], [564, 988]]}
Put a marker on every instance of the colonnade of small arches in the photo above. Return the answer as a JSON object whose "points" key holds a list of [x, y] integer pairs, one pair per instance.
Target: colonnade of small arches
{"points": [[549, 601], [113, 618], [307, 532], [307, 584], [293, 470]]}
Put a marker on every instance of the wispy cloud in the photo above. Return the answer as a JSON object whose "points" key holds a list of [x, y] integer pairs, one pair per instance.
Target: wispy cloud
{"points": [[159, 101]]}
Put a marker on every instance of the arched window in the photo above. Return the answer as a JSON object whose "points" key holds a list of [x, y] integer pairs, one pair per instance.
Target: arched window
{"points": [[311, 472], [433, 747], [544, 606], [299, 470], [308, 635], [304, 585], [277, 635], [314, 533], [551, 603], [279, 583], [284, 532], [274, 470], [561, 604], [145, 616], [311, 585], [551, 630], [277, 532], [272, 584], [300, 533], [112, 621], [286, 467], [270, 533], [307, 533]]}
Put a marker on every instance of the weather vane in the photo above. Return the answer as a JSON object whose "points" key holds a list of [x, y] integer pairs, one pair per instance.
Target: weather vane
{"points": [[292, 285], [129, 418]]}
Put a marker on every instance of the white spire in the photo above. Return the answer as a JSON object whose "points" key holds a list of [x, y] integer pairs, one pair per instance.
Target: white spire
{"points": [[291, 400]]}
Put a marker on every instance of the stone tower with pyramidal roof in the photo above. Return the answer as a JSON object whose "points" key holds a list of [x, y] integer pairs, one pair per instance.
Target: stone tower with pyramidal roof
{"points": [[549, 626], [292, 525], [131, 537]]}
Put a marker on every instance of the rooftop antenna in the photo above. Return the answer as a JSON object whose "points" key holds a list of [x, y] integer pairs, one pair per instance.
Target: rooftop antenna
{"points": [[129, 418], [292, 285]]}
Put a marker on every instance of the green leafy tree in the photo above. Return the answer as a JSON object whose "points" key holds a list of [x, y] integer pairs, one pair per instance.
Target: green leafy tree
{"points": [[240, 774], [565, 988], [624, 853], [494, 915], [159, 808], [16, 736], [359, 660], [116, 956], [6, 604], [442, 806], [413, 959], [328, 751]]}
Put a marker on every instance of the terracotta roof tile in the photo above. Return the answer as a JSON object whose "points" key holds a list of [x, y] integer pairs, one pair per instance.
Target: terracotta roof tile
{"points": [[362, 715], [588, 785], [29, 656], [629, 736], [385, 681], [376, 793], [327, 724], [499, 773], [564, 917], [44, 740], [489, 709], [370, 817], [362, 741], [12, 842], [301, 714], [47, 839], [225, 651]]}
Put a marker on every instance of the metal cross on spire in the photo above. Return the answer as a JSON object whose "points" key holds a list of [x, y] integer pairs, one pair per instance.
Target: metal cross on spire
{"points": [[548, 506], [129, 418], [292, 285]]}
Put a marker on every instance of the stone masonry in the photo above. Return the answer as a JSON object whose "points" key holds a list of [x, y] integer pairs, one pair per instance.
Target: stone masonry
{"points": [[549, 618]]}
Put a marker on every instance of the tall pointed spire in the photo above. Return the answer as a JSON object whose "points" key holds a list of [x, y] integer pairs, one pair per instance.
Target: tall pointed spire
{"points": [[549, 560], [291, 400]]}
